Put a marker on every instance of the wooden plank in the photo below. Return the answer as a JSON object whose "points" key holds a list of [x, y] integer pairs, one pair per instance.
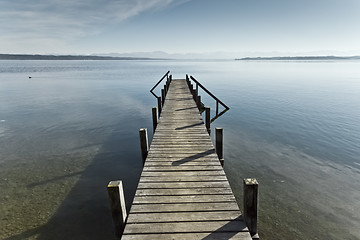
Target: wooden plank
{"points": [[183, 199], [184, 216], [183, 227], [183, 174], [181, 236], [184, 178], [185, 207], [183, 192]]}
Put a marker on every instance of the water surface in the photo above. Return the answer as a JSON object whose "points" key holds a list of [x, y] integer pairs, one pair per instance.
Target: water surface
{"points": [[73, 127]]}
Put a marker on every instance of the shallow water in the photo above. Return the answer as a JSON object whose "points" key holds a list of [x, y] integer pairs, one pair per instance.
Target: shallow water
{"points": [[73, 126]]}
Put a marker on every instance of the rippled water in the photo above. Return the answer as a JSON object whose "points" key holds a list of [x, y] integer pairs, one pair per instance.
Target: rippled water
{"points": [[73, 126]]}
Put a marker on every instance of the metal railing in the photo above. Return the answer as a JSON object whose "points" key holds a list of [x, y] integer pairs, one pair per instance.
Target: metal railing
{"points": [[195, 93], [167, 80]]}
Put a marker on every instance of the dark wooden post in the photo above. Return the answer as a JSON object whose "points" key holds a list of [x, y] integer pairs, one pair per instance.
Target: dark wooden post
{"points": [[207, 119], [197, 89], [159, 104], [154, 117], [162, 97], [165, 89], [251, 192], [144, 143], [217, 108], [191, 89], [198, 102], [219, 144], [117, 205]]}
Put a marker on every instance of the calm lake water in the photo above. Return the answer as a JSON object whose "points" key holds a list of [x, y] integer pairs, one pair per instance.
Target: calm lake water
{"points": [[73, 127]]}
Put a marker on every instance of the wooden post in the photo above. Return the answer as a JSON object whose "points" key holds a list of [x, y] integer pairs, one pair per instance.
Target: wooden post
{"points": [[207, 119], [219, 144], [162, 97], [195, 95], [159, 104], [191, 89], [117, 205], [144, 143], [217, 108], [251, 192], [198, 102], [154, 117], [165, 89], [197, 89]]}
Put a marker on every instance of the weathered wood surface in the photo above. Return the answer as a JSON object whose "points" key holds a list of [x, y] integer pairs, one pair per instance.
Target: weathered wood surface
{"points": [[183, 192]]}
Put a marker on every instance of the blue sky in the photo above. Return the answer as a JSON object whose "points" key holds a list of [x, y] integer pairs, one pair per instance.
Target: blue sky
{"points": [[180, 26]]}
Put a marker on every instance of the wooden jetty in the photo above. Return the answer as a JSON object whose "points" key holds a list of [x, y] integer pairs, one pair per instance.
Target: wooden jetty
{"points": [[183, 191]]}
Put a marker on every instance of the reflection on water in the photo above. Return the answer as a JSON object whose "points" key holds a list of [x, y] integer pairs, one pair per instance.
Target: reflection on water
{"points": [[73, 127]]}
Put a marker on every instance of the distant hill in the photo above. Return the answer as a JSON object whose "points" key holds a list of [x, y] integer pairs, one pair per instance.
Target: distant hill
{"points": [[67, 57], [303, 58]]}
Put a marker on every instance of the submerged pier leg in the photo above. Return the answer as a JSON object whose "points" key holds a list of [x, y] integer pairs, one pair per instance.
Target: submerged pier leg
{"points": [[144, 143], [154, 117], [117, 205], [159, 104], [251, 203], [207, 119], [219, 144]]}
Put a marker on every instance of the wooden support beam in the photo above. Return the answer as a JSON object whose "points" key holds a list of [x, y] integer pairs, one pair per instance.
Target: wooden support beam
{"points": [[251, 192], [144, 143], [154, 117], [219, 144], [159, 104], [207, 119], [117, 206]]}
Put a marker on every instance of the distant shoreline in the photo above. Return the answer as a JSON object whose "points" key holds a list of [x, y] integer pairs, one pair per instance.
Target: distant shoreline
{"points": [[299, 58], [67, 57]]}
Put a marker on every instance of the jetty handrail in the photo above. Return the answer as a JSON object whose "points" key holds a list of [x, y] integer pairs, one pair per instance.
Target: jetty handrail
{"points": [[165, 75], [198, 84]]}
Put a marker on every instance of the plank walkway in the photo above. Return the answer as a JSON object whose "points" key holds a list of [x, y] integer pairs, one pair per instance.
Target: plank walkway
{"points": [[183, 192]]}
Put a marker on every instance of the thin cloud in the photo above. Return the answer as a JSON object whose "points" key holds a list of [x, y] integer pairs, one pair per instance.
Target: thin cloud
{"points": [[68, 19]]}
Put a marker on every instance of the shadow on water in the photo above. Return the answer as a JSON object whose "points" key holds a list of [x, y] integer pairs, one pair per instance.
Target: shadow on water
{"points": [[55, 179], [85, 213]]}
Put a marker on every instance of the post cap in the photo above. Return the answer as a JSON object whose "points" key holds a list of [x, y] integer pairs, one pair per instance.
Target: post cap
{"points": [[251, 181]]}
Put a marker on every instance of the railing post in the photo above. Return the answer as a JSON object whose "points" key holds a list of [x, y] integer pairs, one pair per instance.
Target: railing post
{"points": [[219, 144], [207, 119], [197, 89], [251, 203], [144, 143], [198, 102], [159, 104], [195, 95], [117, 205], [154, 117], [165, 89], [217, 108], [191, 89], [162, 97]]}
